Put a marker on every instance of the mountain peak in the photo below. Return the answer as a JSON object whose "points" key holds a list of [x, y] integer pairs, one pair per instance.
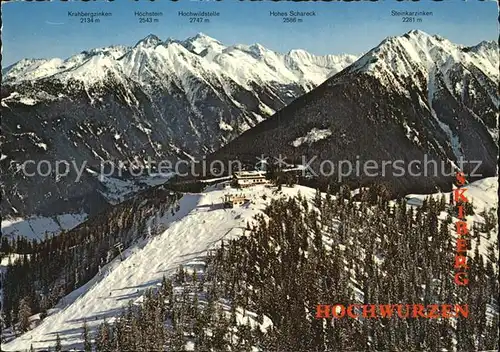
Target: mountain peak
{"points": [[258, 50], [298, 53], [418, 32], [406, 54], [485, 45], [201, 37], [170, 40], [149, 41], [259, 47], [418, 54]]}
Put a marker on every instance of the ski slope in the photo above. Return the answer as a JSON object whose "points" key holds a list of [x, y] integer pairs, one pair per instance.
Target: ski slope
{"points": [[199, 225], [482, 193], [183, 239]]}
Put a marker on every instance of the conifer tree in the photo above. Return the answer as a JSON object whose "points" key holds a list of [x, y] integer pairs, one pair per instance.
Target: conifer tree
{"points": [[87, 344], [24, 314]]}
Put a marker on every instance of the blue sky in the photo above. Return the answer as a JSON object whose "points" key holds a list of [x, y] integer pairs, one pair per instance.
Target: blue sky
{"points": [[43, 29]]}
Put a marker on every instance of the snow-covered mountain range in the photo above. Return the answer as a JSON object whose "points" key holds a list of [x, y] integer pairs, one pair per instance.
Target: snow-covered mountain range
{"points": [[164, 99], [412, 96], [153, 63], [172, 242], [438, 67]]}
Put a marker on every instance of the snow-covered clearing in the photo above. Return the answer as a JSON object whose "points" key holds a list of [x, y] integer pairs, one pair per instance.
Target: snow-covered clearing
{"points": [[482, 193], [312, 136], [37, 226], [118, 189], [484, 196]]}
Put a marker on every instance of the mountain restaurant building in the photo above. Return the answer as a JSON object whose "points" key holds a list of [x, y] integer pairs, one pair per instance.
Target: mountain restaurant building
{"points": [[231, 201]]}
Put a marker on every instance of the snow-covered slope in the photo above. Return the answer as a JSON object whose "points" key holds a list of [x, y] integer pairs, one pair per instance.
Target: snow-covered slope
{"points": [[436, 67], [37, 227], [114, 190], [414, 96], [482, 193], [200, 55], [198, 226], [176, 240]]}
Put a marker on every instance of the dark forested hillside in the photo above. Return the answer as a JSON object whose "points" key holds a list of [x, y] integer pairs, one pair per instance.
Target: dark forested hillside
{"points": [[389, 106]]}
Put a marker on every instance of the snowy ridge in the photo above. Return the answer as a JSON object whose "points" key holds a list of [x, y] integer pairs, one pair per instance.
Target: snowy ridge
{"points": [[35, 69], [417, 53], [486, 55], [311, 67], [204, 46], [434, 68]]}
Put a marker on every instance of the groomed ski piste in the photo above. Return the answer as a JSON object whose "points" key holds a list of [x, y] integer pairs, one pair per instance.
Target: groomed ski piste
{"points": [[200, 225]]}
